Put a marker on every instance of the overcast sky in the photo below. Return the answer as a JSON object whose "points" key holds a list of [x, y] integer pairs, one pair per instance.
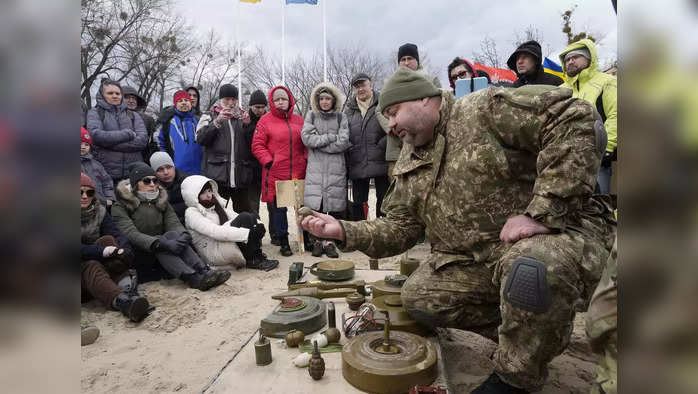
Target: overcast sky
{"points": [[442, 29]]}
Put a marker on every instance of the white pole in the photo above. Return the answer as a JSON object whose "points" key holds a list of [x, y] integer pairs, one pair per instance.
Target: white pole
{"points": [[283, 42], [237, 38], [324, 42]]}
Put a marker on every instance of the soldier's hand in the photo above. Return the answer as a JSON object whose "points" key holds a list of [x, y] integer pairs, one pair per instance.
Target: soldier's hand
{"points": [[520, 227], [322, 226]]}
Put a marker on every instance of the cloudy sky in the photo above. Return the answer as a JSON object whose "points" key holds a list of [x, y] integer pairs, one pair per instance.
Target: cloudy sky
{"points": [[442, 29]]}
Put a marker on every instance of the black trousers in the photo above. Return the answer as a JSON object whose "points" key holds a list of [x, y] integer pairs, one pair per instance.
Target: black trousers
{"points": [[253, 246], [360, 189], [187, 262], [240, 197]]}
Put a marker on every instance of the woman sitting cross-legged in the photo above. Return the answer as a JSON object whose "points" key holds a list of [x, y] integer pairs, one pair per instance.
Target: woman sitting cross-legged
{"points": [[143, 214], [225, 238], [106, 258]]}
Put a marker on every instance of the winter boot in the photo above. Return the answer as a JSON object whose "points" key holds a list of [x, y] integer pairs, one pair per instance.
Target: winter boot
{"points": [[285, 247], [88, 335], [260, 262], [317, 248], [495, 385], [135, 308], [202, 280], [331, 250]]}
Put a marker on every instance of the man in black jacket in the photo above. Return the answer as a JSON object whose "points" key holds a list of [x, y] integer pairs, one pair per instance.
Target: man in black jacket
{"points": [[228, 158], [171, 178], [527, 63]]}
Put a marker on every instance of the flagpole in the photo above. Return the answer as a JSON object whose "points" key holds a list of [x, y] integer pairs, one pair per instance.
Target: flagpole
{"points": [[324, 42], [283, 42], [237, 37]]}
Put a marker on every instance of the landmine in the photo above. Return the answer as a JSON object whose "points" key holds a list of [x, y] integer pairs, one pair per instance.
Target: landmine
{"points": [[306, 314]]}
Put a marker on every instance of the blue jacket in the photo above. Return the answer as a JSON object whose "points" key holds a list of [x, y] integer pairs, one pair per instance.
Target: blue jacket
{"points": [[180, 142]]}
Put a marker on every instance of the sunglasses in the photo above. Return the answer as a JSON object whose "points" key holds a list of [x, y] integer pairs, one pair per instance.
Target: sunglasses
{"points": [[460, 75], [88, 192], [149, 180]]}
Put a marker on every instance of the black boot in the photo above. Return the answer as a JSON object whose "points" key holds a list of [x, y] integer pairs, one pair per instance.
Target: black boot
{"points": [[201, 280], [317, 248], [260, 262], [285, 247], [495, 385], [275, 240], [135, 307], [222, 276]]}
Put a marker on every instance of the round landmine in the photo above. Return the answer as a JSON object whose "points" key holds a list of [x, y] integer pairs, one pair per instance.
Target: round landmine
{"points": [[371, 364], [399, 318], [355, 300], [302, 313], [382, 288]]}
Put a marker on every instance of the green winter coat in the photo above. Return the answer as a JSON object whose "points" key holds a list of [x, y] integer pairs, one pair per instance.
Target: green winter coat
{"points": [[143, 222], [496, 153], [590, 84]]}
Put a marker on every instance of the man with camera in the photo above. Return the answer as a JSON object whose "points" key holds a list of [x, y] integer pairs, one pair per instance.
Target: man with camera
{"points": [[227, 156]]}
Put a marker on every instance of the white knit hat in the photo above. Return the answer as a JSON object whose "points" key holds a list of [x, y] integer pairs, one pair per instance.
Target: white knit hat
{"points": [[159, 159]]}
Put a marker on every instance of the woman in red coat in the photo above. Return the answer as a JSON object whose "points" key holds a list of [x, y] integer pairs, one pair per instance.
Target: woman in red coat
{"points": [[278, 146]]}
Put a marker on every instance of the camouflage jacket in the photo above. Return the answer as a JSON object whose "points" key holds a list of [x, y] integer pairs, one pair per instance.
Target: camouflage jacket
{"points": [[495, 153]]}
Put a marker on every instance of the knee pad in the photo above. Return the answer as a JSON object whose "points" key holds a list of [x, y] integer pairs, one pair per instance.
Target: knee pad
{"points": [[527, 287]]}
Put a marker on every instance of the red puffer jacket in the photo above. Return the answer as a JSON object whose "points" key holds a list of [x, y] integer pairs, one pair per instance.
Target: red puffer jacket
{"points": [[278, 140]]}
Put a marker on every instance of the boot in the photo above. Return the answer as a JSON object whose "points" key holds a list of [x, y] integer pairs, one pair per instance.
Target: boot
{"points": [[135, 308], [285, 247], [88, 335], [495, 385], [317, 249], [260, 262], [275, 240], [331, 250], [222, 276], [202, 280]]}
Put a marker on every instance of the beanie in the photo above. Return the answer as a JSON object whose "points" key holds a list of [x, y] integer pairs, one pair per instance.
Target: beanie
{"points": [[159, 159], [257, 97], [228, 90], [85, 136], [581, 51], [138, 171], [180, 94], [408, 50], [280, 93], [405, 85], [85, 180]]}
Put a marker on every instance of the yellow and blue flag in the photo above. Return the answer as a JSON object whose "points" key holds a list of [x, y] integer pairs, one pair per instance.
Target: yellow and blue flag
{"points": [[250, 1], [551, 67], [301, 1]]}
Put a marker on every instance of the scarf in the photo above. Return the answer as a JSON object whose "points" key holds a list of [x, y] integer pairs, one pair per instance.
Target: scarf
{"points": [[90, 222], [364, 105], [148, 196]]}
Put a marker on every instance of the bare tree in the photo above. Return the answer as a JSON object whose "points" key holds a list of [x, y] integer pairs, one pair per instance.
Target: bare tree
{"points": [[488, 54], [532, 33], [105, 26], [567, 28]]}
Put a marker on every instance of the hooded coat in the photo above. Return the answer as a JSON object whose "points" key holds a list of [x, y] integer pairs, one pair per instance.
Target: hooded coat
{"points": [[104, 185], [326, 134], [368, 141], [119, 139], [142, 222], [216, 242], [600, 89], [277, 140], [148, 120], [539, 77]]}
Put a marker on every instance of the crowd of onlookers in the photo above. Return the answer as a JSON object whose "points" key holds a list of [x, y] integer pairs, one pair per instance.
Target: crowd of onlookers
{"points": [[179, 196]]}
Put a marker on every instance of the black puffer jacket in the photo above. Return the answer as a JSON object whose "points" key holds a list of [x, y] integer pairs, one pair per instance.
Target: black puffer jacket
{"points": [[249, 133], [366, 157], [540, 77], [148, 120]]}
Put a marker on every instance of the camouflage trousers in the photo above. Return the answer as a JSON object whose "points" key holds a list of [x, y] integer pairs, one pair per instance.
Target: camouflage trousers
{"points": [[469, 295]]}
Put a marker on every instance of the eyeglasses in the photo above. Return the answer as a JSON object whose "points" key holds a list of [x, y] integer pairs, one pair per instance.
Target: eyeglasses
{"points": [[461, 75], [150, 179], [88, 192]]}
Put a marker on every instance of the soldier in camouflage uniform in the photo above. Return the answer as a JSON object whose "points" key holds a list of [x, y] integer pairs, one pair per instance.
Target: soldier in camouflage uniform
{"points": [[602, 327], [500, 181]]}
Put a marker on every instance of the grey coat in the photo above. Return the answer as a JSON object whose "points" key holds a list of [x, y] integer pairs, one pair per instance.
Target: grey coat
{"points": [[327, 138], [367, 153], [103, 182], [119, 139]]}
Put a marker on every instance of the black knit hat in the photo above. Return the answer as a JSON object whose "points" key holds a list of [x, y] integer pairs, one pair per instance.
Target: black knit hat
{"points": [[138, 171], [228, 90], [408, 50], [530, 47], [258, 97]]}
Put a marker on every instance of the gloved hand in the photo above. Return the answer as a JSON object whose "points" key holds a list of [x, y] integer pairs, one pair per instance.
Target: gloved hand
{"points": [[170, 245], [108, 251], [185, 236], [608, 158], [127, 256], [268, 165], [257, 232]]}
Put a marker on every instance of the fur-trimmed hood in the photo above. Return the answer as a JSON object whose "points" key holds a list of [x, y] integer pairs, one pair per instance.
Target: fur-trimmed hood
{"points": [[315, 97], [130, 200]]}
